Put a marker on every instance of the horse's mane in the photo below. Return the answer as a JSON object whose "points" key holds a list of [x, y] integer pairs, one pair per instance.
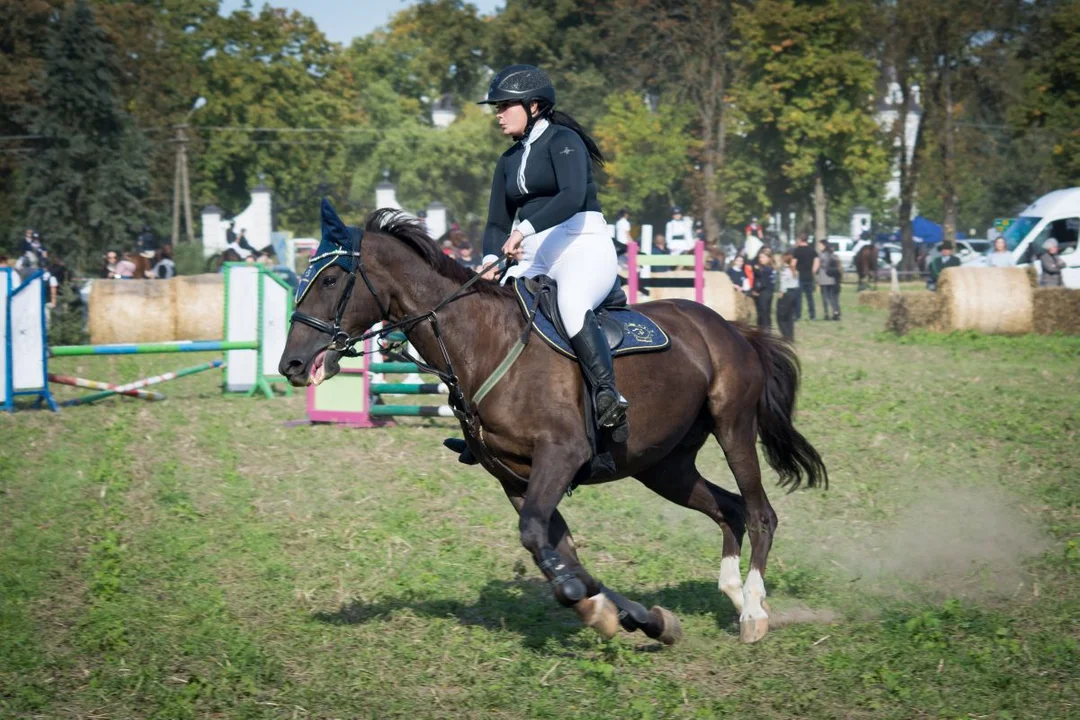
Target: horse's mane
{"points": [[398, 225]]}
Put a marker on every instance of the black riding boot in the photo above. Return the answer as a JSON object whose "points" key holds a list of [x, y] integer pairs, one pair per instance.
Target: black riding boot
{"points": [[594, 355]]}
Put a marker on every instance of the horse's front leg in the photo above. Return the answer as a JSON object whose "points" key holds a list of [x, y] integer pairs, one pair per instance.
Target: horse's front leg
{"points": [[553, 469]]}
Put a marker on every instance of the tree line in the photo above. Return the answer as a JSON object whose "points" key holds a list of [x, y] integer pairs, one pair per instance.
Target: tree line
{"points": [[733, 108]]}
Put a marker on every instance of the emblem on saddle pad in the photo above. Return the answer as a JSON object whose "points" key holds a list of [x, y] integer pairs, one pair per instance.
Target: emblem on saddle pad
{"points": [[640, 333]]}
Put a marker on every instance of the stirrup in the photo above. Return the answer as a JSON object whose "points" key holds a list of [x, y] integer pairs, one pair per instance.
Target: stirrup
{"points": [[613, 417]]}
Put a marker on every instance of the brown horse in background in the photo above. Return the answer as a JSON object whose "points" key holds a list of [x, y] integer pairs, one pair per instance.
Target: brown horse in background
{"points": [[730, 381], [866, 266]]}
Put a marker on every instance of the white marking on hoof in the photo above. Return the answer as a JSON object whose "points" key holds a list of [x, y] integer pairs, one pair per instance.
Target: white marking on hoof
{"points": [[599, 613], [753, 595], [730, 582], [754, 620]]}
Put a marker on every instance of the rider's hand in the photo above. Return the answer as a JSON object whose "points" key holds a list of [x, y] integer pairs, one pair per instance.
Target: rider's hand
{"points": [[512, 246]]}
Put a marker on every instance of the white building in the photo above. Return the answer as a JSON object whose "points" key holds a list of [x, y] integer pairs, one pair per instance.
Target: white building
{"points": [[888, 114]]}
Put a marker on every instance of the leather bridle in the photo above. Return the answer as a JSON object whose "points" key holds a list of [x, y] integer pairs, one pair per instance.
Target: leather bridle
{"points": [[344, 344]]}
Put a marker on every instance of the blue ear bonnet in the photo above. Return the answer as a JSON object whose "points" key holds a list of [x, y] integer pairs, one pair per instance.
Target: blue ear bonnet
{"points": [[339, 246]]}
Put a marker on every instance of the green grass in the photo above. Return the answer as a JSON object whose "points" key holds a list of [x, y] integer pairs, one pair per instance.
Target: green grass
{"points": [[195, 558]]}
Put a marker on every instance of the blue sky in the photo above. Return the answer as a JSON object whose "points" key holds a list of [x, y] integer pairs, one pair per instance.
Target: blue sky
{"points": [[342, 20]]}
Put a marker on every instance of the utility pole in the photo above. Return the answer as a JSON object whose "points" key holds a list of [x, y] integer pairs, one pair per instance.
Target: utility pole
{"points": [[181, 187]]}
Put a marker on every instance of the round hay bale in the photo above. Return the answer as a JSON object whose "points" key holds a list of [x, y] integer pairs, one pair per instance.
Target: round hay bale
{"points": [[910, 310], [1056, 310], [995, 301], [131, 311], [877, 299], [200, 307]]}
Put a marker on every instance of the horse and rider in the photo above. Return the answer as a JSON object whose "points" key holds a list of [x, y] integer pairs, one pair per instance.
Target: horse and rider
{"points": [[530, 417]]}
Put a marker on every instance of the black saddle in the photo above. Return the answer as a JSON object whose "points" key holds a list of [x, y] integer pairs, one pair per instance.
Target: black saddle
{"points": [[549, 308]]}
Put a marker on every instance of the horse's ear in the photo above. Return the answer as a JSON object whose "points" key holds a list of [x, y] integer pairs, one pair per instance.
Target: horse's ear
{"points": [[333, 229]]}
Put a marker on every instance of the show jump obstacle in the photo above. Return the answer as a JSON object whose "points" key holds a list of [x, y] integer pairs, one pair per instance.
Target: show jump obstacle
{"points": [[636, 280], [355, 397], [257, 309]]}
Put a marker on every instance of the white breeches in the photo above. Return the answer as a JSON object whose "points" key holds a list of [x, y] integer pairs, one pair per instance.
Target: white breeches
{"points": [[579, 255]]}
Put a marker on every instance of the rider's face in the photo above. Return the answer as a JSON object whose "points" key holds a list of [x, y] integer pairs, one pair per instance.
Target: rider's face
{"points": [[512, 118]]}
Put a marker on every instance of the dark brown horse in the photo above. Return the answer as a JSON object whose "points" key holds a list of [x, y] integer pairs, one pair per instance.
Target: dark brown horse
{"points": [[866, 265], [733, 382]]}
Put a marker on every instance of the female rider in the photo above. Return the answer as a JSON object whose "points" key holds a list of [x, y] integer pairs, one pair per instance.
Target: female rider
{"points": [[546, 180]]}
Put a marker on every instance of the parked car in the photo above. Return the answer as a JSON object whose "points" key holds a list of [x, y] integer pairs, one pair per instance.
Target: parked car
{"points": [[844, 249], [1057, 215]]}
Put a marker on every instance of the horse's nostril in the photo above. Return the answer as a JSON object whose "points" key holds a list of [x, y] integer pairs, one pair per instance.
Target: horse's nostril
{"points": [[292, 366]]}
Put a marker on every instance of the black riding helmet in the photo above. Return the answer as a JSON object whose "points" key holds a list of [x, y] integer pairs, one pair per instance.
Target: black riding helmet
{"points": [[523, 83]]}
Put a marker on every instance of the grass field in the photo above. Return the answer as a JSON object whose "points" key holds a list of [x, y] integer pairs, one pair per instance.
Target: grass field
{"points": [[197, 559]]}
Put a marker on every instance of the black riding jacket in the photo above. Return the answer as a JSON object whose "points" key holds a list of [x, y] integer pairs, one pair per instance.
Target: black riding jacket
{"points": [[559, 184]]}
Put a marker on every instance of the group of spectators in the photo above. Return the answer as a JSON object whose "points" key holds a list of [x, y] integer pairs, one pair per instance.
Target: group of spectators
{"points": [[793, 276]]}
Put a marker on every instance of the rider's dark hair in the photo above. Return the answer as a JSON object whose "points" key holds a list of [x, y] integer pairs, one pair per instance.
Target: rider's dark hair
{"points": [[557, 117]]}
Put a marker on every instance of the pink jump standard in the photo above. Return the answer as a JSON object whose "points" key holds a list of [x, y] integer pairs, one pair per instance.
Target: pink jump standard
{"points": [[635, 259]]}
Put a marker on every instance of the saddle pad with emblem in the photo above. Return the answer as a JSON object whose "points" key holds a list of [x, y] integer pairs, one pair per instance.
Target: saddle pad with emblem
{"points": [[639, 333]]}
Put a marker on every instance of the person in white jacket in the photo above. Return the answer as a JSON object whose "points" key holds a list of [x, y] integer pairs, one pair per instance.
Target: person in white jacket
{"points": [[679, 233]]}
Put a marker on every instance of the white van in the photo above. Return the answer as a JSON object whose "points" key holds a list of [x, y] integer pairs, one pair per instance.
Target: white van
{"points": [[1056, 214]]}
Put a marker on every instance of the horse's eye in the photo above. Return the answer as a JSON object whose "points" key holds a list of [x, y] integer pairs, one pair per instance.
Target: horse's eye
{"points": [[329, 281]]}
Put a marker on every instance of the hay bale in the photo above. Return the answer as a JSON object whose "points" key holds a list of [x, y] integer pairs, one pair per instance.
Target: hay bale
{"points": [[877, 299], [910, 310], [995, 301], [200, 307], [140, 311], [129, 311], [1056, 309]]}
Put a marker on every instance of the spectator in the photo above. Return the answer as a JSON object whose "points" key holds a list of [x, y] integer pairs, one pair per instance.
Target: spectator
{"points": [[715, 261], [806, 265], [789, 296], [660, 248], [678, 234], [1051, 264], [1000, 257], [146, 244], [763, 284], [754, 230], [622, 231], [945, 260], [33, 248], [164, 267], [737, 273], [230, 233], [5, 262], [699, 231], [828, 279], [465, 254], [125, 269], [109, 269]]}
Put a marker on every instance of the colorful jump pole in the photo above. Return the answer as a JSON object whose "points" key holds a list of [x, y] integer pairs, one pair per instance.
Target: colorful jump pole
{"points": [[147, 348], [143, 383], [95, 385], [636, 260]]}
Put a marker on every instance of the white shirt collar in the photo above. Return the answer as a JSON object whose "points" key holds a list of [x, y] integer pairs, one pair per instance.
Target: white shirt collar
{"points": [[537, 130]]}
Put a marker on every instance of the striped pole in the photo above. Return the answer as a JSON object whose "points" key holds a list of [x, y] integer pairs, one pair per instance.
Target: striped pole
{"points": [[162, 347], [95, 385], [410, 388], [143, 383], [413, 410]]}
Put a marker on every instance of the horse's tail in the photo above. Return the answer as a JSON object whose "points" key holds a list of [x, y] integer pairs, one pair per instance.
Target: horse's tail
{"points": [[788, 452]]}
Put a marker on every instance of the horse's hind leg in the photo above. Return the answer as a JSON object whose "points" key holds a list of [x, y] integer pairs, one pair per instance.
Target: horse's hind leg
{"points": [[677, 479], [738, 439]]}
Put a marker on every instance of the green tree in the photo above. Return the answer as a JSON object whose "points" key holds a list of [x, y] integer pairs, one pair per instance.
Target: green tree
{"points": [[684, 50], [647, 152], [85, 183], [808, 96], [24, 26], [432, 49], [569, 40], [280, 101]]}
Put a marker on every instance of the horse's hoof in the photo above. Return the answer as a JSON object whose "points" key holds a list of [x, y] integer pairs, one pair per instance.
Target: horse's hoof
{"points": [[753, 629], [600, 614], [663, 626]]}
